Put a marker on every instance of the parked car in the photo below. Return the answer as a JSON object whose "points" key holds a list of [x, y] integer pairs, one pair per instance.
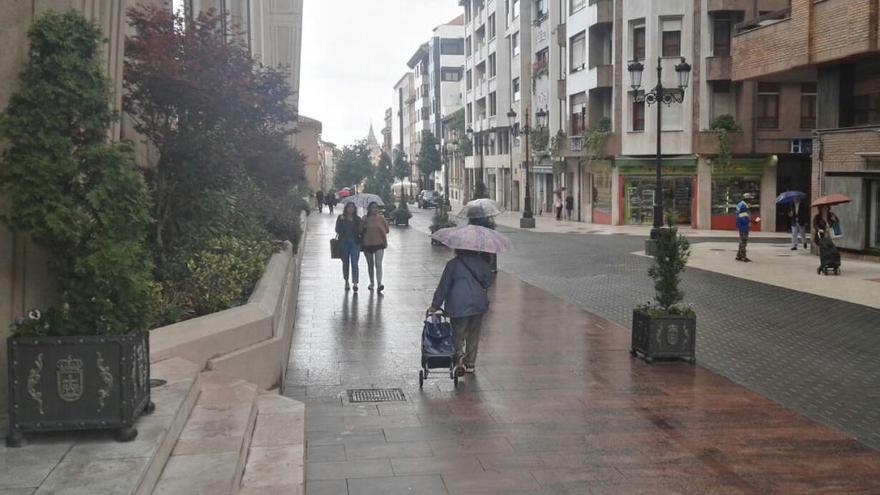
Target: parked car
{"points": [[428, 199]]}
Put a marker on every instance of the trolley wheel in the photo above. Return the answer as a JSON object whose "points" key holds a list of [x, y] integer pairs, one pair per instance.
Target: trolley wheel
{"points": [[455, 381], [819, 271], [837, 271], [421, 378]]}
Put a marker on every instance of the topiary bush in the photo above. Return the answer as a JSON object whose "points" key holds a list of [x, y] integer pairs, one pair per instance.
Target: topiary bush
{"points": [[71, 190], [670, 259]]}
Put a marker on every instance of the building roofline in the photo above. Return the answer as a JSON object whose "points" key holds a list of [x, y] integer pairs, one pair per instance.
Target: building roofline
{"points": [[418, 55]]}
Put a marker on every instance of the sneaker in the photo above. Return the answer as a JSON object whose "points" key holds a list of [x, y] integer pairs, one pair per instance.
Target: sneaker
{"points": [[744, 259], [347, 287], [469, 369], [739, 258], [355, 287], [794, 248], [370, 287], [381, 288]]}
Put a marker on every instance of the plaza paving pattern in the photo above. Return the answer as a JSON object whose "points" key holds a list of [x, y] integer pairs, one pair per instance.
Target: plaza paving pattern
{"points": [[557, 404]]}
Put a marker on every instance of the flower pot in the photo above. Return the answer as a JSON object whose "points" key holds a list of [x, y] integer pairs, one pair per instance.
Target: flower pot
{"points": [[663, 336], [78, 383]]}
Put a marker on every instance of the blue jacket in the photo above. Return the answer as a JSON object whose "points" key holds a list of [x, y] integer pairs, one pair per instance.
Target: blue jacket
{"points": [[464, 293], [742, 216]]}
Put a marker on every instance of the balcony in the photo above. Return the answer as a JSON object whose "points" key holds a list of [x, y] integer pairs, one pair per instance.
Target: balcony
{"points": [[604, 76], [718, 68], [706, 143], [604, 11], [769, 44], [576, 144], [729, 5]]}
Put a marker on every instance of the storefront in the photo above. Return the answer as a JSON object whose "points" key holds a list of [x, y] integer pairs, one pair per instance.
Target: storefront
{"points": [[638, 187], [729, 183], [601, 177], [542, 189]]}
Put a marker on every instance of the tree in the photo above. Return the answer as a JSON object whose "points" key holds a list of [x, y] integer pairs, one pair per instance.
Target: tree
{"points": [[219, 120], [670, 259], [429, 157], [401, 171], [723, 125], [73, 191], [380, 183], [354, 165]]}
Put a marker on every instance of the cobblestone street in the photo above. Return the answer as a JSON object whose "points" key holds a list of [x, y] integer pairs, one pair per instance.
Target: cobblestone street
{"points": [[557, 405]]}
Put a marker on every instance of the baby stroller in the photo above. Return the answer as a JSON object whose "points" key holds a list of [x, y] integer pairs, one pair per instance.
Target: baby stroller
{"points": [[829, 257], [438, 347]]}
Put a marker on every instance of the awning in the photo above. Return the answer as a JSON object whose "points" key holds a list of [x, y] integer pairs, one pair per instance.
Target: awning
{"points": [[667, 161]]}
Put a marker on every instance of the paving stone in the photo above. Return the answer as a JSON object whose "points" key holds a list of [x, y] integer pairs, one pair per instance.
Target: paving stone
{"points": [[329, 487], [204, 474], [362, 468], [398, 485], [325, 452], [83, 476], [274, 467]]}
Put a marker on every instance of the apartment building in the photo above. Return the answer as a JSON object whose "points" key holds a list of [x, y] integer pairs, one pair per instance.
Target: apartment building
{"points": [[829, 50], [402, 111]]}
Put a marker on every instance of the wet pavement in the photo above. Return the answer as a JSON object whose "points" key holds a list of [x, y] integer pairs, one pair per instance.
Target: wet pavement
{"points": [[556, 406]]}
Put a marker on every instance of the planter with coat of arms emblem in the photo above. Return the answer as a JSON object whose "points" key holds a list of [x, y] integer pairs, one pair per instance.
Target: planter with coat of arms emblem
{"points": [[663, 336], [78, 383]]}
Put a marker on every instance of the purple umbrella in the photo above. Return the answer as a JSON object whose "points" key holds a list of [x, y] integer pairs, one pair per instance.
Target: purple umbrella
{"points": [[473, 238]]}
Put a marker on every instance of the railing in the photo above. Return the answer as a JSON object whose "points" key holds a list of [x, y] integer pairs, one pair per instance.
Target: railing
{"points": [[576, 144], [759, 21]]}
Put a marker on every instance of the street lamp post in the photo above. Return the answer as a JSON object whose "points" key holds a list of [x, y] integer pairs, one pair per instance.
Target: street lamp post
{"points": [[528, 219], [661, 96], [479, 185]]}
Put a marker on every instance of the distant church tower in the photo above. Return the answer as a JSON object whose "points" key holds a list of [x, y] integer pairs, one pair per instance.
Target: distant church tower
{"points": [[373, 145]]}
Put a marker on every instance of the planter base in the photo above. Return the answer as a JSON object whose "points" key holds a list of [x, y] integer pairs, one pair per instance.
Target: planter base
{"points": [[14, 439], [663, 337]]}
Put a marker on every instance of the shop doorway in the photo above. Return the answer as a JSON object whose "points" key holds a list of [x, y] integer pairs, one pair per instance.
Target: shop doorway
{"points": [[638, 199], [793, 173]]}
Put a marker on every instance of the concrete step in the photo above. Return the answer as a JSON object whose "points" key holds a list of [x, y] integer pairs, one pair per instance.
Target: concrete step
{"points": [[95, 463], [276, 457], [210, 454]]}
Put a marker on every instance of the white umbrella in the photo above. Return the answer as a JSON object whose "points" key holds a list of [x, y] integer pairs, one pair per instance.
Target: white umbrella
{"points": [[473, 238], [363, 200], [480, 208]]}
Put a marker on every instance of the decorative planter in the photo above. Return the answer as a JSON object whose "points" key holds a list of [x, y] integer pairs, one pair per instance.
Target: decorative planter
{"points": [[78, 383], [664, 337]]}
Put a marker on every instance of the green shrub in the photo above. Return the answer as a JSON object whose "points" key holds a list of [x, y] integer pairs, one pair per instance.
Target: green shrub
{"points": [[670, 259], [401, 214], [224, 274], [72, 191]]}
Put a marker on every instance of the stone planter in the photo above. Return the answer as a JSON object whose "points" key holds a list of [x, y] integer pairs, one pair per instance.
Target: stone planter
{"points": [[663, 337], [78, 383]]}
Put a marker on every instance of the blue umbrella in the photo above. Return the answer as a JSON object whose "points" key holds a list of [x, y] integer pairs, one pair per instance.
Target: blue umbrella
{"points": [[789, 196]]}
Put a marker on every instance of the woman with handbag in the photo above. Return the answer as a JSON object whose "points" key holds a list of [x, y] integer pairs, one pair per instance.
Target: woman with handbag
{"points": [[349, 229], [824, 222], [374, 244]]}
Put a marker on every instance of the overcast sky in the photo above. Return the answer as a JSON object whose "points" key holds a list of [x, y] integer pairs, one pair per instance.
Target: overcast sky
{"points": [[354, 51]]}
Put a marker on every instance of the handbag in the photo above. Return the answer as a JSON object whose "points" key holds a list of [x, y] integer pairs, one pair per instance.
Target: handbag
{"points": [[335, 249], [836, 231]]}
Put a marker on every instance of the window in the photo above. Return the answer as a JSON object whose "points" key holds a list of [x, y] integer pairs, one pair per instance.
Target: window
{"points": [[578, 44], [469, 112], [516, 89], [808, 106], [722, 99], [672, 117], [469, 80], [866, 109], [452, 46], [638, 42], [638, 111], [514, 44], [540, 9], [721, 28], [577, 5], [514, 9], [450, 74], [578, 111], [492, 66], [468, 46], [768, 106], [467, 13], [492, 26], [671, 40], [493, 107], [543, 56]]}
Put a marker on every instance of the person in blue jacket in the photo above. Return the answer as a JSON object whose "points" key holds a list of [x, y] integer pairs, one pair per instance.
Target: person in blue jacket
{"points": [[743, 223], [462, 292]]}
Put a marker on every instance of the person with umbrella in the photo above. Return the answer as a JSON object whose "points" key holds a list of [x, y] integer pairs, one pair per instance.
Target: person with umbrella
{"points": [[798, 217], [480, 212], [374, 245], [464, 285], [349, 231], [824, 222], [330, 201]]}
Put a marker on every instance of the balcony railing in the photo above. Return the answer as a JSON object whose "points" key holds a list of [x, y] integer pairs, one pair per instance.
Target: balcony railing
{"points": [[576, 144]]}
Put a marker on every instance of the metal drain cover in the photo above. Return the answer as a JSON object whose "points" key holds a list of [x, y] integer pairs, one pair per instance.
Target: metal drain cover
{"points": [[375, 395]]}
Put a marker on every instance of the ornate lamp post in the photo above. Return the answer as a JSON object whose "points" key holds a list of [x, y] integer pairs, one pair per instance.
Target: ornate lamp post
{"points": [[528, 219], [479, 185], [661, 96]]}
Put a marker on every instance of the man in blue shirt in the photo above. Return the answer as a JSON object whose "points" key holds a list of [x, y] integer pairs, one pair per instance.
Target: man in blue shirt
{"points": [[743, 222]]}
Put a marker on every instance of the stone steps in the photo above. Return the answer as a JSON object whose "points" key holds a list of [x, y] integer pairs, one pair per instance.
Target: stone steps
{"points": [[276, 457], [211, 451]]}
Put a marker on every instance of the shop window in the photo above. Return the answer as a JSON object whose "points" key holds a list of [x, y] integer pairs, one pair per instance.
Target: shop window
{"points": [[638, 42], [721, 29], [638, 111], [671, 37], [638, 198], [768, 106], [728, 191], [578, 47], [808, 106]]}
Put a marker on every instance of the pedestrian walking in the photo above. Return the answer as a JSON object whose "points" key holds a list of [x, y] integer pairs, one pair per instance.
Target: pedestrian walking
{"points": [[319, 199], [823, 223], [330, 201], [557, 202], [798, 216], [462, 293], [489, 223], [569, 206], [743, 223], [349, 229], [374, 244]]}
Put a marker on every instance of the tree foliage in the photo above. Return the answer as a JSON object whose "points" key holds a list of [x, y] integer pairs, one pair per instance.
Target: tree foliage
{"points": [[429, 156], [673, 251], [723, 125], [74, 192], [354, 165], [381, 181], [401, 169]]}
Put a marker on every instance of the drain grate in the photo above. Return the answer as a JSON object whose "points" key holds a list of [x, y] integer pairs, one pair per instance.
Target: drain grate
{"points": [[375, 395]]}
